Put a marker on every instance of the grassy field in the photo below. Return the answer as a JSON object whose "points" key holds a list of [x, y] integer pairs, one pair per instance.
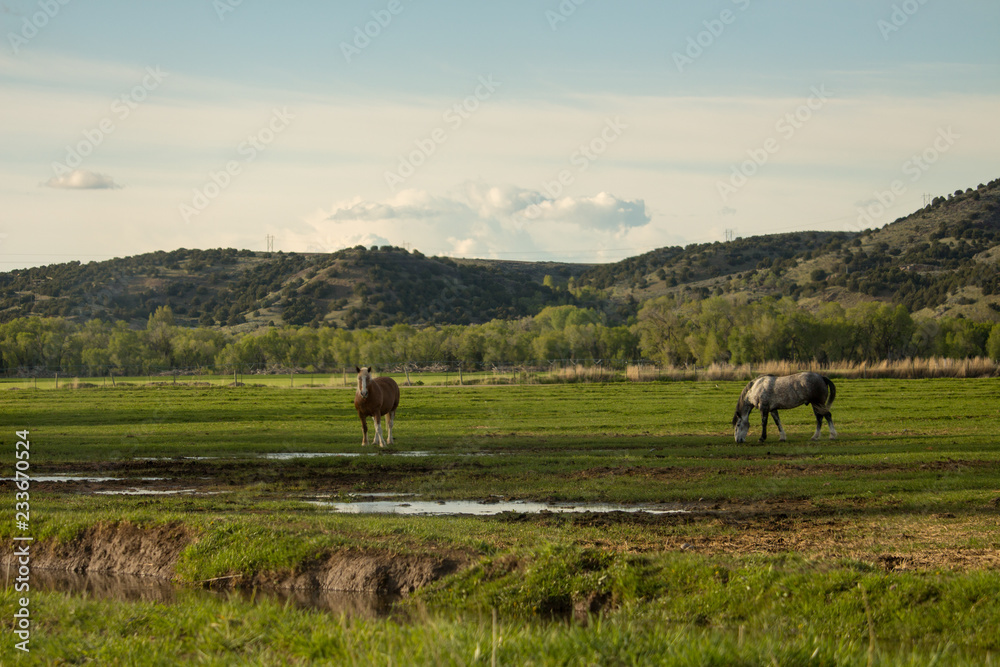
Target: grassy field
{"points": [[881, 547]]}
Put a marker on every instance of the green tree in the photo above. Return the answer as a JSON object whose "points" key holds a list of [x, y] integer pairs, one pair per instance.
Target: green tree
{"points": [[993, 343]]}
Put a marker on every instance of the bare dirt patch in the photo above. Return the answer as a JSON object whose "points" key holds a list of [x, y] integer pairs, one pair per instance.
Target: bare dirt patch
{"points": [[123, 548], [889, 542], [373, 572], [153, 551]]}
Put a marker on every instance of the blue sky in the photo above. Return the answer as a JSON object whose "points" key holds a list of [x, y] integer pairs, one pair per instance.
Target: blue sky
{"points": [[519, 130]]}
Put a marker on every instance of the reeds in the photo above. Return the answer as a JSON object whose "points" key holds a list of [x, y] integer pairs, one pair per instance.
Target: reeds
{"points": [[903, 369]]}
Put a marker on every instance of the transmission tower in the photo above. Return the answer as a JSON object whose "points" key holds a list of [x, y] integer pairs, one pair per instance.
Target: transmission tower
{"points": [[270, 242]]}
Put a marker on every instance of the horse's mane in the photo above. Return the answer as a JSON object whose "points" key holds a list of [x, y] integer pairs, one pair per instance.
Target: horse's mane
{"points": [[743, 394], [742, 400]]}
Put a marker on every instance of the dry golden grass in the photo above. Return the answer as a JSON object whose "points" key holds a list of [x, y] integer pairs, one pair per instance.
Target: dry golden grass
{"points": [[935, 367]]}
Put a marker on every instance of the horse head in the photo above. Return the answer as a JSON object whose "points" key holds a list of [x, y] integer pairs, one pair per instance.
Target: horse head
{"points": [[741, 418], [741, 426], [364, 377]]}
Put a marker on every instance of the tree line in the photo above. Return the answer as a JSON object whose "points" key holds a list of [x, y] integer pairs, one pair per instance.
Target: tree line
{"points": [[667, 330]]}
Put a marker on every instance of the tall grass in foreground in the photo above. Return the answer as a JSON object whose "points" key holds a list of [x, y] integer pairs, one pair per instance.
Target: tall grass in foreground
{"points": [[77, 630]]}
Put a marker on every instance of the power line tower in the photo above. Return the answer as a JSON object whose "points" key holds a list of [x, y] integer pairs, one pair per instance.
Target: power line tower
{"points": [[730, 235], [270, 242], [928, 198]]}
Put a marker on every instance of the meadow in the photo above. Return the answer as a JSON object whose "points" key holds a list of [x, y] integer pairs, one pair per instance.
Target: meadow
{"points": [[880, 547]]}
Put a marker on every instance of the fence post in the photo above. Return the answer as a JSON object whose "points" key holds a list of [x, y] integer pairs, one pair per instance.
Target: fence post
{"points": [[57, 380]]}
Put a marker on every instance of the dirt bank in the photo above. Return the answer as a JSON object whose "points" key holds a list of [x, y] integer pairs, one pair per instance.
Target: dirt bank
{"points": [[153, 551], [121, 548], [364, 572]]}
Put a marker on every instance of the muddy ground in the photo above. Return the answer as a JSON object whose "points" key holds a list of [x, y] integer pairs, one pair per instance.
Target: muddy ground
{"points": [[821, 532]]}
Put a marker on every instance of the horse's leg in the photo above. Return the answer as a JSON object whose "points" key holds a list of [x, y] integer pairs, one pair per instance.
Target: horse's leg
{"points": [[829, 422], [390, 418], [819, 422], [364, 430], [763, 427], [777, 421], [377, 418]]}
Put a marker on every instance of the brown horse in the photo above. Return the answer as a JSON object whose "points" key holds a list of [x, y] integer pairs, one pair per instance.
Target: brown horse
{"points": [[376, 397]]}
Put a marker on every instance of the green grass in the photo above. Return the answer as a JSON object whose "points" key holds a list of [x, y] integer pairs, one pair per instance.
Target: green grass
{"points": [[785, 558], [757, 616]]}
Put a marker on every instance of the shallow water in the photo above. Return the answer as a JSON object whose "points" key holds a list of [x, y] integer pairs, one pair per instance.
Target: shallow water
{"points": [[287, 456], [135, 491], [132, 588], [83, 478], [486, 508]]}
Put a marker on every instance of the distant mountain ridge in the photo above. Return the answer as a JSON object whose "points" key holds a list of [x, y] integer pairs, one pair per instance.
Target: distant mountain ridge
{"points": [[941, 260]]}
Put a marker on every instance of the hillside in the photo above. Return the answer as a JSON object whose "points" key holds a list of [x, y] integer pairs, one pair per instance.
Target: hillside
{"points": [[353, 288], [940, 260]]}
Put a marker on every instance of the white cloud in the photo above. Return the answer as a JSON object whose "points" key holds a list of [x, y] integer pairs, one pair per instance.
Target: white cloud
{"points": [[81, 179], [479, 219]]}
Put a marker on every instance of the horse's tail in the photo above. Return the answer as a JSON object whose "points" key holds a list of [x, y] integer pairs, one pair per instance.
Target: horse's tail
{"points": [[833, 390]]}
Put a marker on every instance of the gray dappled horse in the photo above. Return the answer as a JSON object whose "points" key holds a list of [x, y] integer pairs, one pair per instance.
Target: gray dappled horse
{"points": [[376, 397], [770, 394]]}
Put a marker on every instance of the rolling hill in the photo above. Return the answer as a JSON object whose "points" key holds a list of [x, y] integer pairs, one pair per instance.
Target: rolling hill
{"points": [[940, 260]]}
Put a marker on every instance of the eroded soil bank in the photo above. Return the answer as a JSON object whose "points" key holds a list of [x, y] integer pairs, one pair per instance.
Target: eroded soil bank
{"points": [[153, 551]]}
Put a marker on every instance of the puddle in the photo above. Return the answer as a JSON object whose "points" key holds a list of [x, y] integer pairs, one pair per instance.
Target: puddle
{"points": [[83, 478], [487, 508], [134, 491], [381, 494], [132, 588], [175, 458], [287, 456]]}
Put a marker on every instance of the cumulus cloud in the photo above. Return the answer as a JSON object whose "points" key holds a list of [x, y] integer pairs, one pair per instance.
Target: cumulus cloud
{"points": [[482, 220], [81, 179]]}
